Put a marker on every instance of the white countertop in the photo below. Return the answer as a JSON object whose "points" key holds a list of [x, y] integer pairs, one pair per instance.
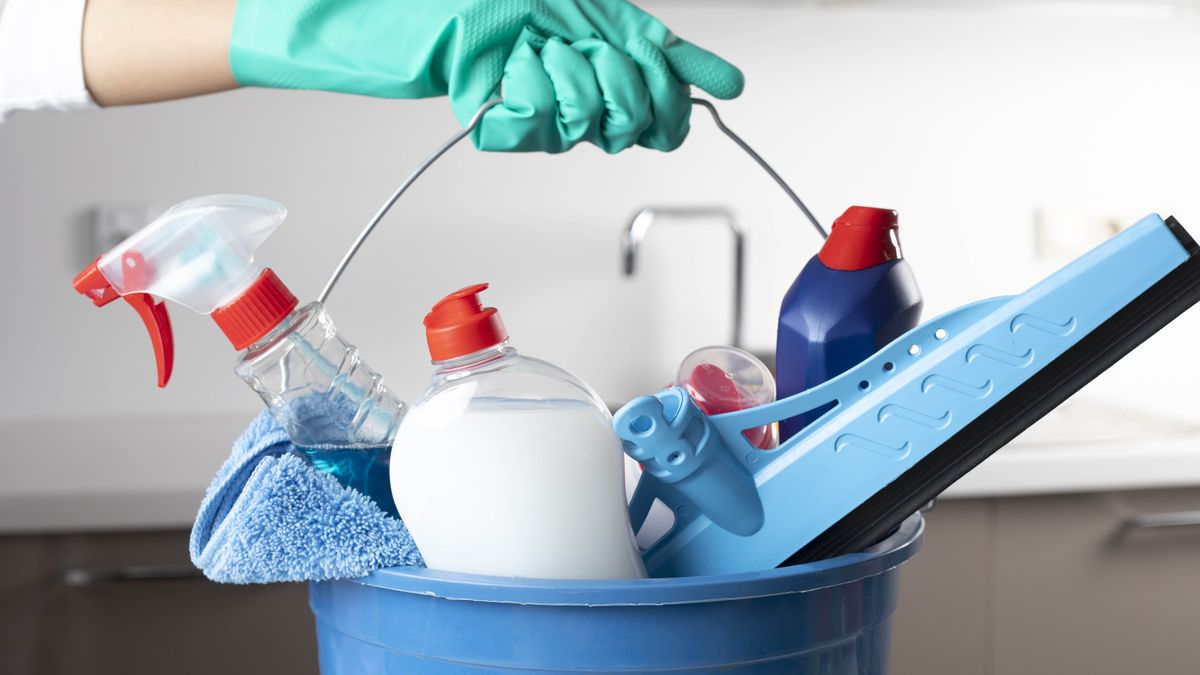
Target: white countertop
{"points": [[111, 474], [1085, 446], [72, 474]]}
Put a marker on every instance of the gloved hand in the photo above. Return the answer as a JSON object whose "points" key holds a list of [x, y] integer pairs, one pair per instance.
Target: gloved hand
{"points": [[601, 71]]}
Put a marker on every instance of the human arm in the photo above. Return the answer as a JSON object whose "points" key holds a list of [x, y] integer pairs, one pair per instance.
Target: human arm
{"points": [[570, 71], [142, 51]]}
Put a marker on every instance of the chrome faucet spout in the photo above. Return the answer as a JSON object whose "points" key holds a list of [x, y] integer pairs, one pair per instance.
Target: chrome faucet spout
{"points": [[635, 231]]}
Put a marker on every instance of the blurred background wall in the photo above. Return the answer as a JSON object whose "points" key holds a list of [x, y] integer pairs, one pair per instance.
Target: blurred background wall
{"points": [[1009, 137]]}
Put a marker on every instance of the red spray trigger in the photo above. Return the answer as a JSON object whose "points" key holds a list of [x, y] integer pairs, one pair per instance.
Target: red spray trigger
{"points": [[158, 324], [91, 283]]}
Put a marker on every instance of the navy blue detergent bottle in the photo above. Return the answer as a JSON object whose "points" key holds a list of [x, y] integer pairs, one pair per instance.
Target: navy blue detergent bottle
{"points": [[855, 296]]}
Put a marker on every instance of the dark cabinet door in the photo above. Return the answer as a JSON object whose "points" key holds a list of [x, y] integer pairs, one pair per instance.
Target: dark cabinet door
{"points": [[1104, 584], [130, 603], [941, 624]]}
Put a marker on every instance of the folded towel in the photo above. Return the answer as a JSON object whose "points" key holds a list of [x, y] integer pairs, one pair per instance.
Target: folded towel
{"points": [[268, 516]]}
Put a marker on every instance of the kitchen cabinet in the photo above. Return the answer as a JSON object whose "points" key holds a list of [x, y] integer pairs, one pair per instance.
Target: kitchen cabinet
{"points": [[72, 604], [942, 622], [1081, 589], [1002, 586], [1099, 583]]}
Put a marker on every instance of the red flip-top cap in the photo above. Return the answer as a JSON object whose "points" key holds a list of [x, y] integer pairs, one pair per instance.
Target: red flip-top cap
{"points": [[862, 237], [459, 324], [255, 312]]}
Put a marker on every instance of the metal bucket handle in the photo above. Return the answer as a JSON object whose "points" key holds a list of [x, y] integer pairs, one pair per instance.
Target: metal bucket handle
{"points": [[474, 122]]}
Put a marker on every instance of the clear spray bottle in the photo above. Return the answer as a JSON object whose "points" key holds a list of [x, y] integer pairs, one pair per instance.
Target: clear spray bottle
{"points": [[200, 254]]}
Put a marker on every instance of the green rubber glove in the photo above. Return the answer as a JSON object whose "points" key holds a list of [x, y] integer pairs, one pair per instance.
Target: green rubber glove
{"points": [[600, 71]]}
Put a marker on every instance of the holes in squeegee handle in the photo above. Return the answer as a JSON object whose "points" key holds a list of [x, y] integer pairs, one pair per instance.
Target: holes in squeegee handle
{"points": [[889, 367], [914, 350], [641, 424], [864, 385], [940, 334]]}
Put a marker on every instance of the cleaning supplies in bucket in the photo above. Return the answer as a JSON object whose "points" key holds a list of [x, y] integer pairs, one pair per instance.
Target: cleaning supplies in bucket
{"points": [[852, 298], [904, 424], [269, 517], [508, 465], [200, 254]]}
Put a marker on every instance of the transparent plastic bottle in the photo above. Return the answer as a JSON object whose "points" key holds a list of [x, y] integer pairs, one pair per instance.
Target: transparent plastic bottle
{"points": [[337, 410], [508, 465], [723, 379], [200, 254]]}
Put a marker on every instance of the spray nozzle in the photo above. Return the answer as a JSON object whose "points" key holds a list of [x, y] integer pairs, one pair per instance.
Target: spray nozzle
{"points": [[199, 254]]}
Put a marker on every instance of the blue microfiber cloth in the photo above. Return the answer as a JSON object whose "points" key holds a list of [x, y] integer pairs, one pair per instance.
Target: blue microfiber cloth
{"points": [[268, 516]]}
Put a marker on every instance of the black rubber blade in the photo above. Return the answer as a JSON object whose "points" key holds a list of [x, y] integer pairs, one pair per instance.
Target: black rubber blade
{"points": [[1028, 403]]}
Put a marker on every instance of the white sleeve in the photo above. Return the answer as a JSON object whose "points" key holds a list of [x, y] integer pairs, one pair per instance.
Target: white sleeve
{"points": [[41, 56]]}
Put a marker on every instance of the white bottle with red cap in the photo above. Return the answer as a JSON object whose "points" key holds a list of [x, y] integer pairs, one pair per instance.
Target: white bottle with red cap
{"points": [[508, 465]]}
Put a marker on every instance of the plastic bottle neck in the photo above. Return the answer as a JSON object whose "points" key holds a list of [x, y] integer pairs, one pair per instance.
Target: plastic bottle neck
{"points": [[475, 360], [289, 324]]}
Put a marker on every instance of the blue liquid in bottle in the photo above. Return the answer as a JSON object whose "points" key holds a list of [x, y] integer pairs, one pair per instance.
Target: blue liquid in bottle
{"points": [[337, 411], [362, 469]]}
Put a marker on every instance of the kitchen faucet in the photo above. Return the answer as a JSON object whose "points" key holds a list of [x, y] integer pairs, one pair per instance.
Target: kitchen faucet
{"points": [[635, 231]]}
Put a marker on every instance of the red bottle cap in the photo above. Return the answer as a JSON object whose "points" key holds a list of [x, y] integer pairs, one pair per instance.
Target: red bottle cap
{"points": [[255, 312], [716, 392], [459, 324], [862, 237]]}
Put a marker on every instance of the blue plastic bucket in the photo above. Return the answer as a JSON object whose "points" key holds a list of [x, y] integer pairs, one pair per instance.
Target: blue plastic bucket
{"points": [[829, 617]]}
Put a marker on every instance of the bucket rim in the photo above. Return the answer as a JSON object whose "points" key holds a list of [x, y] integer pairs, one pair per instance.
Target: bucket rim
{"points": [[887, 554]]}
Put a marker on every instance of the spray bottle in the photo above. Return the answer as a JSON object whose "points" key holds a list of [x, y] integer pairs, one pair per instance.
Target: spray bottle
{"points": [[855, 296], [200, 254]]}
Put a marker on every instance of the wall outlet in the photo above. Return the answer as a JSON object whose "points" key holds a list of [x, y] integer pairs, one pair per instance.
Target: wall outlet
{"points": [[1063, 234], [112, 224]]}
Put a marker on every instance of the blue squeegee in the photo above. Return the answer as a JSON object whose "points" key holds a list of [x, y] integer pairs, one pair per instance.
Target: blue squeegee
{"points": [[904, 424]]}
